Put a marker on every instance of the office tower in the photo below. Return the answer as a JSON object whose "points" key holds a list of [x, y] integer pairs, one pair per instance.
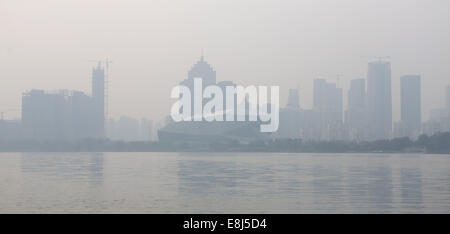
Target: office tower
{"points": [[379, 100], [410, 101], [328, 103], [356, 114], [98, 97], [293, 99], [328, 100]]}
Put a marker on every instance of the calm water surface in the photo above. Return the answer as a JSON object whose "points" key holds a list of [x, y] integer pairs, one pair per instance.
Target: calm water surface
{"points": [[223, 183]]}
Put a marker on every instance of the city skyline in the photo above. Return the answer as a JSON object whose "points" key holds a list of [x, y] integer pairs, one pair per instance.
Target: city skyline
{"points": [[71, 114], [289, 43], [345, 103], [239, 108]]}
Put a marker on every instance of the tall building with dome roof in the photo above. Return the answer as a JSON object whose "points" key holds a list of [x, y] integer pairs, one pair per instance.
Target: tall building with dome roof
{"points": [[215, 131], [201, 69]]}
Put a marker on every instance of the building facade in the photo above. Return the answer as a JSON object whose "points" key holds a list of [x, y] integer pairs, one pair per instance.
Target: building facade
{"points": [[328, 104], [356, 113], [410, 101], [379, 100], [64, 114]]}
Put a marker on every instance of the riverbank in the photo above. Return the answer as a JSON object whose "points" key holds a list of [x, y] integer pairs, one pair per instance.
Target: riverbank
{"points": [[436, 144]]}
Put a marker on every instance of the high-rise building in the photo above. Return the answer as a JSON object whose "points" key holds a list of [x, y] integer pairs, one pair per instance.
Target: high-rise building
{"points": [[379, 100], [64, 114], [357, 94], [57, 115], [203, 70], [410, 101], [356, 114], [214, 131], [328, 100], [328, 103], [293, 99], [98, 97]]}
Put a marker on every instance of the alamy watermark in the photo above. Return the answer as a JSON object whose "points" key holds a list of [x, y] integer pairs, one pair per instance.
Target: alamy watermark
{"points": [[255, 97]]}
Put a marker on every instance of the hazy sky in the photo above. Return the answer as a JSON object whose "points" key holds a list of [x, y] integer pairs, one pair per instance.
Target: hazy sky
{"points": [[50, 44]]}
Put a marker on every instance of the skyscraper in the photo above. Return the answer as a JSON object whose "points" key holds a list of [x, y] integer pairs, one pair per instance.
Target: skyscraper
{"points": [[356, 114], [328, 100], [410, 101], [98, 97], [210, 131], [293, 99], [379, 100], [203, 70], [328, 103]]}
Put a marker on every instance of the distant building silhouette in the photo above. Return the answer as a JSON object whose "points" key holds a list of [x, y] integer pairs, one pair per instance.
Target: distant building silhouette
{"points": [[293, 99], [291, 117], [98, 98], [201, 69], [356, 114], [129, 129], [64, 114], [439, 119], [328, 103], [203, 131], [10, 129], [379, 100], [146, 130], [124, 129], [411, 111]]}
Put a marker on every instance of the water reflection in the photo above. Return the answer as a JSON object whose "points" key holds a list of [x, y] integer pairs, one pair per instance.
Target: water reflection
{"points": [[327, 183], [380, 188], [224, 183], [411, 189], [198, 176], [83, 167]]}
